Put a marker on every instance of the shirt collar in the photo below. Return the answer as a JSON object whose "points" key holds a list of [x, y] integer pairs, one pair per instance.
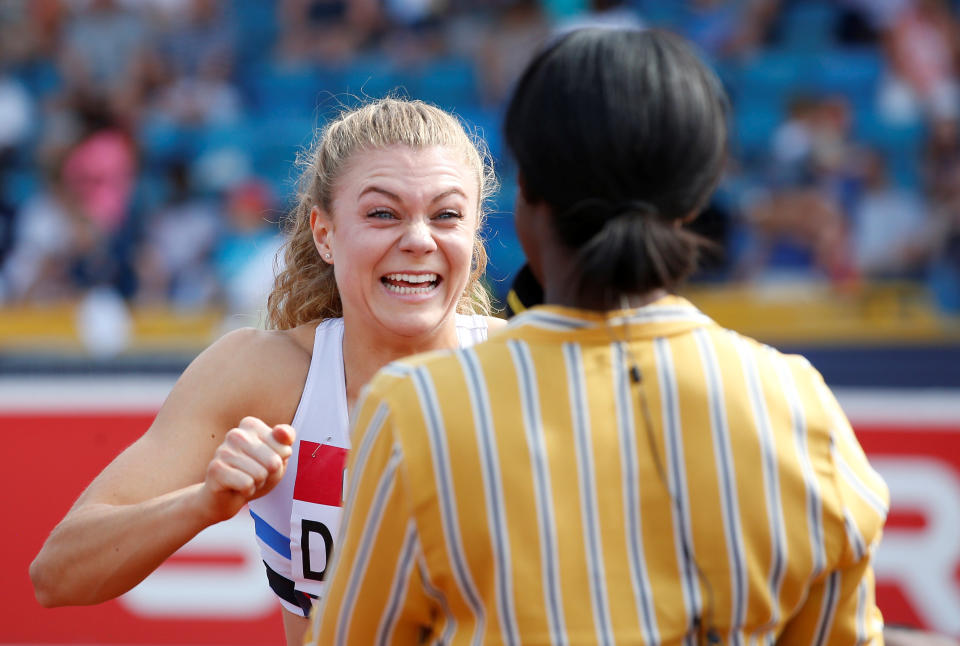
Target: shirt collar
{"points": [[664, 317]]}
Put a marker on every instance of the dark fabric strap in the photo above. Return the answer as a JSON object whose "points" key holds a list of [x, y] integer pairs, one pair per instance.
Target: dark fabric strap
{"points": [[285, 589]]}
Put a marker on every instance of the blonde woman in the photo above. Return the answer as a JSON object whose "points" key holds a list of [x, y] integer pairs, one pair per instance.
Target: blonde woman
{"points": [[383, 260]]}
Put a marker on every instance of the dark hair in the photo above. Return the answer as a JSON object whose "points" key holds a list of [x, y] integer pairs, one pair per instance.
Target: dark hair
{"points": [[622, 133]]}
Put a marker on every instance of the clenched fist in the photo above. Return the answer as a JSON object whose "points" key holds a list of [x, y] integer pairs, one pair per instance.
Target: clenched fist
{"points": [[248, 463]]}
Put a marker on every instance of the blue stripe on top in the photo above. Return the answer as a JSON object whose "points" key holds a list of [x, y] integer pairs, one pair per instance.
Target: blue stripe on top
{"points": [[676, 478], [496, 507], [271, 537], [588, 493], [533, 428], [642, 593], [436, 434]]}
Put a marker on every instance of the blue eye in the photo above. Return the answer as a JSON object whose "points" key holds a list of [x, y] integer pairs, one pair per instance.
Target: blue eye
{"points": [[381, 214], [449, 215]]}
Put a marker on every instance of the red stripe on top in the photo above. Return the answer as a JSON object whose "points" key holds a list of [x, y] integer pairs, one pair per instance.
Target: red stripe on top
{"points": [[320, 474]]}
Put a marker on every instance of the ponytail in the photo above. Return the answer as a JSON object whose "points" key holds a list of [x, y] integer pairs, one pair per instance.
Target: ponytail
{"points": [[627, 247]]}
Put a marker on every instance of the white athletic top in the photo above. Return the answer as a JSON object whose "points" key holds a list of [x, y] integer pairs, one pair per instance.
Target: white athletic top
{"points": [[297, 521]]}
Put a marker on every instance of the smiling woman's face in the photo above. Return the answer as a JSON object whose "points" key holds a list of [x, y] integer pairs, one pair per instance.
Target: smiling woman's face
{"points": [[400, 237]]}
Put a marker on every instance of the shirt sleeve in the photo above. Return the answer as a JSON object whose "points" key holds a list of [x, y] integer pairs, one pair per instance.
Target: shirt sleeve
{"points": [[375, 594], [841, 607]]}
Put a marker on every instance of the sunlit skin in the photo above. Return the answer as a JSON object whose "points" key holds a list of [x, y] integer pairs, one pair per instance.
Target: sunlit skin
{"points": [[398, 213]]}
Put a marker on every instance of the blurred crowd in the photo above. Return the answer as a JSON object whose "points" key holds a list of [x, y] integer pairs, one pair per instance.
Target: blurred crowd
{"points": [[148, 147]]}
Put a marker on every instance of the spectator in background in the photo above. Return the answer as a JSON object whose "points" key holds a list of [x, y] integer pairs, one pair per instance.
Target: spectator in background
{"points": [[941, 170], [194, 38], [105, 52], [30, 30], [813, 174], [792, 143], [194, 60], [175, 261], [77, 234], [415, 31], [513, 37], [923, 49], [207, 98], [244, 255], [723, 29], [326, 31], [941, 163], [16, 122], [16, 112], [861, 22], [891, 233], [603, 13]]}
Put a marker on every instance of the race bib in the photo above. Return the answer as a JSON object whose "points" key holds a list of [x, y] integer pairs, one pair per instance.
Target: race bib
{"points": [[316, 512]]}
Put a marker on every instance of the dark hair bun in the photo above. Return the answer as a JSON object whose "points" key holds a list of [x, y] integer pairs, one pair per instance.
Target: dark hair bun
{"points": [[631, 249]]}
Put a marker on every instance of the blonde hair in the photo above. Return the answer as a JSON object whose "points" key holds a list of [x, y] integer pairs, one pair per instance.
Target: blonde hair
{"points": [[304, 289]]}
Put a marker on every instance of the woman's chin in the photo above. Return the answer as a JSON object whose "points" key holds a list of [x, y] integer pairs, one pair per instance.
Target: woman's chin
{"points": [[416, 324]]}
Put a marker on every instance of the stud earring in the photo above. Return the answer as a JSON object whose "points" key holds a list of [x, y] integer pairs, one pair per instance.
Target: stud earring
{"points": [[327, 255]]}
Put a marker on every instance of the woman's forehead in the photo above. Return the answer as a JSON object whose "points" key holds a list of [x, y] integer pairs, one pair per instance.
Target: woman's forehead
{"points": [[410, 171]]}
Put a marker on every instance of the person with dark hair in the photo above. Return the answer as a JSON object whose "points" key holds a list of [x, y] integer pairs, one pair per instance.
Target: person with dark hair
{"points": [[613, 466]]}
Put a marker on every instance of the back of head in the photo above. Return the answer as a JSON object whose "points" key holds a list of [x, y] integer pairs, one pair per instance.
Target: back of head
{"points": [[622, 133]]}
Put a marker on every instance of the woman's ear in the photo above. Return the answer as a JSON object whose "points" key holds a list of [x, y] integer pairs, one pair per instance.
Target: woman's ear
{"points": [[522, 185], [322, 227]]}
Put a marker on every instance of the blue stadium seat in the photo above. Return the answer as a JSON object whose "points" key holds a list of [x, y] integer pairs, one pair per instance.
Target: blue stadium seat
{"points": [[779, 73], [21, 184], [277, 144], [486, 123], [754, 123], [373, 77], [256, 25], [40, 77], [450, 83], [293, 90], [660, 13], [241, 135], [808, 25], [162, 142], [855, 73]]}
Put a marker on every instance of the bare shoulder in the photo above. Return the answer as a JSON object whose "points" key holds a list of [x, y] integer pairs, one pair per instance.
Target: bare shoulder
{"points": [[494, 323], [253, 372], [270, 346]]}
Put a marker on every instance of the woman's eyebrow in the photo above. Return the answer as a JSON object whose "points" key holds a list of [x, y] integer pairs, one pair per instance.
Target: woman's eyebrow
{"points": [[447, 193], [382, 191], [393, 196]]}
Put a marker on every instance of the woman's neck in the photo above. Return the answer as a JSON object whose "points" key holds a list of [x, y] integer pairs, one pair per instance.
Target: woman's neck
{"points": [[597, 301], [365, 351], [562, 285]]}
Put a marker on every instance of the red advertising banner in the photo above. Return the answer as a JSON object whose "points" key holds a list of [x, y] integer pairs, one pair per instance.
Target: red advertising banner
{"points": [[57, 436], [211, 592]]}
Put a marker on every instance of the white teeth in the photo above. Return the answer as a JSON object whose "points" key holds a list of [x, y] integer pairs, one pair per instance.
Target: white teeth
{"points": [[413, 278], [397, 289]]}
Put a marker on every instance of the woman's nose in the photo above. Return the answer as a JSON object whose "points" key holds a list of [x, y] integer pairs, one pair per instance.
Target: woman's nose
{"points": [[417, 238]]}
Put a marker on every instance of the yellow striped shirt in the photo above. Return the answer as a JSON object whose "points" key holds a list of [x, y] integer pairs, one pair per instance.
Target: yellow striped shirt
{"points": [[536, 490]]}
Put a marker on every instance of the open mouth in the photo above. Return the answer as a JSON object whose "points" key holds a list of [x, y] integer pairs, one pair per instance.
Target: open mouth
{"points": [[411, 283]]}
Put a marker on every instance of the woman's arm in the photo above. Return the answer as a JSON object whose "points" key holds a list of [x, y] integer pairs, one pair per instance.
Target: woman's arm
{"points": [[188, 471]]}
